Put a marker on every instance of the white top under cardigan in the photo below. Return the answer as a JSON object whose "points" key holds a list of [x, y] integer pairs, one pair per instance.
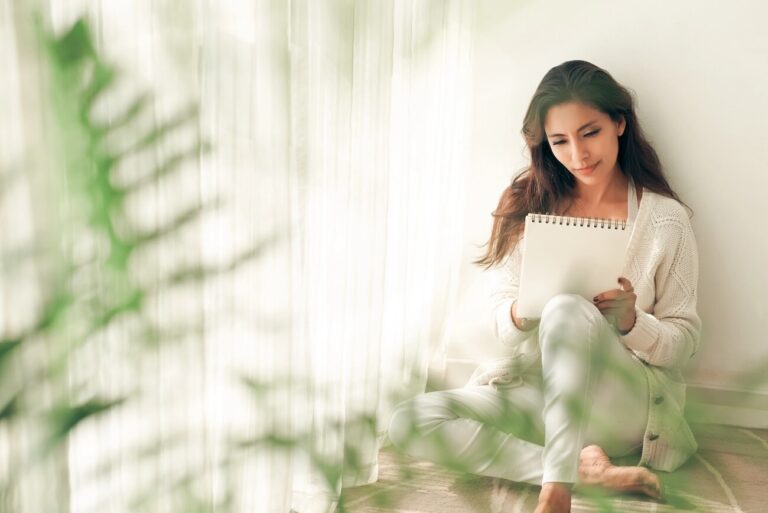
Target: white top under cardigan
{"points": [[662, 265]]}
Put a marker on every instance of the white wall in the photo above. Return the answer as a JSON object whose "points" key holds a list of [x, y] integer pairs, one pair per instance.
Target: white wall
{"points": [[700, 73]]}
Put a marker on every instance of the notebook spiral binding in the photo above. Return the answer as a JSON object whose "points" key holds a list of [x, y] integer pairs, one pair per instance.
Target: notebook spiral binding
{"points": [[589, 222]]}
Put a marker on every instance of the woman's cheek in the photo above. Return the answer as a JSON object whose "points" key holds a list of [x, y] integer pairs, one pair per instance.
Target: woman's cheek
{"points": [[558, 152]]}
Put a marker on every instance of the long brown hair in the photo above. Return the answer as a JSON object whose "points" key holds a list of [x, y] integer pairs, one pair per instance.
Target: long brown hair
{"points": [[539, 186]]}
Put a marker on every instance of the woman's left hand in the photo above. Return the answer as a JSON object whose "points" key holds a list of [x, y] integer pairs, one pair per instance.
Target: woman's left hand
{"points": [[619, 305]]}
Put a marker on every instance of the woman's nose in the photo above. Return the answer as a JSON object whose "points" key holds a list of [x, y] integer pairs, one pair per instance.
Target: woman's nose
{"points": [[579, 154]]}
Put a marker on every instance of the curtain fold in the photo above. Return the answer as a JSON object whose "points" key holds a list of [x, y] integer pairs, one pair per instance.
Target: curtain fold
{"points": [[380, 221], [329, 146]]}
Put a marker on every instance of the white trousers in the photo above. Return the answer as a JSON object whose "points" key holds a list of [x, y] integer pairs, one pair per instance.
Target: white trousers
{"points": [[588, 390]]}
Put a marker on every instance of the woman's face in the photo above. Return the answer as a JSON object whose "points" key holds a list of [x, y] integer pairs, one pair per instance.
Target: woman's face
{"points": [[584, 140]]}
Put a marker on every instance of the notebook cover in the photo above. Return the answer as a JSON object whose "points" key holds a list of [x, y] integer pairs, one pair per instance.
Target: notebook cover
{"points": [[568, 255]]}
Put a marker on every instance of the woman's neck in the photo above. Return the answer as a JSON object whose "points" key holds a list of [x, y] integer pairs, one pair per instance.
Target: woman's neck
{"points": [[608, 200], [611, 192]]}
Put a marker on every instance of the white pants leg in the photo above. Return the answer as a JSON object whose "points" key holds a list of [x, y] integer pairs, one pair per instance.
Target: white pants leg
{"points": [[591, 391]]}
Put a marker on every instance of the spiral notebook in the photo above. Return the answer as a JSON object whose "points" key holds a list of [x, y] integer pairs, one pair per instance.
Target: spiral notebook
{"points": [[573, 255]]}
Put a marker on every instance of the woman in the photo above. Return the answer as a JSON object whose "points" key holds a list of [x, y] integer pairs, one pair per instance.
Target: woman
{"points": [[590, 379]]}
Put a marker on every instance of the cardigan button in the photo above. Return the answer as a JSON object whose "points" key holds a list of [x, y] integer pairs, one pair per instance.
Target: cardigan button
{"points": [[659, 399], [652, 437]]}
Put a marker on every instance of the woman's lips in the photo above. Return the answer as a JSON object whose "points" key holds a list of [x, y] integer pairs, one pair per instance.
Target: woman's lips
{"points": [[587, 170]]}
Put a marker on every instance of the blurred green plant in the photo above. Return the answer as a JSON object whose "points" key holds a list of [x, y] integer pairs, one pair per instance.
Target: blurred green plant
{"points": [[84, 297], [75, 313]]}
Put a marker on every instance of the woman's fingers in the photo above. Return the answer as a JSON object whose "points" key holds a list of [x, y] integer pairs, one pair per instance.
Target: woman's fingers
{"points": [[616, 311], [617, 305], [613, 295], [622, 303], [625, 289], [625, 284]]}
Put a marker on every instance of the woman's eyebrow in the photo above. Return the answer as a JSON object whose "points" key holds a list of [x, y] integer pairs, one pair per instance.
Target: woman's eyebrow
{"points": [[582, 127]]}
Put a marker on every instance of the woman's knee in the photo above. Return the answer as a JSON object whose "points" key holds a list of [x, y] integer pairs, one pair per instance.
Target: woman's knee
{"points": [[418, 416], [566, 306], [402, 424], [409, 418], [565, 317]]}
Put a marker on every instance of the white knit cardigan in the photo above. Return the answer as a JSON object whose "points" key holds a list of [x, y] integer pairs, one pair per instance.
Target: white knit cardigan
{"points": [[662, 264]]}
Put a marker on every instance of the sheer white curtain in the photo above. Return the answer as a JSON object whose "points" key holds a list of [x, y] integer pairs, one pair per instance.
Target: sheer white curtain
{"points": [[382, 144], [339, 134]]}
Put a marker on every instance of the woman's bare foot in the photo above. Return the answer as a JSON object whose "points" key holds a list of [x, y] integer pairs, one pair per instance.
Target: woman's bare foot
{"points": [[554, 498], [595, 469]]}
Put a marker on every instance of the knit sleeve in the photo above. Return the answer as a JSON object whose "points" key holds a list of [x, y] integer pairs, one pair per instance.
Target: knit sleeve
{"points": [[506, 281], [669, 335]]}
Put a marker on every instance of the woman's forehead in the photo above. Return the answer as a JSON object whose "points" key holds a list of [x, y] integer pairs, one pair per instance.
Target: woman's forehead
{"points": [[571, 116]]}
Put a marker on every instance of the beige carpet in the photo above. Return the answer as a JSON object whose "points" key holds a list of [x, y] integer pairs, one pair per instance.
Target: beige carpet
{"points": [[728, 474]]}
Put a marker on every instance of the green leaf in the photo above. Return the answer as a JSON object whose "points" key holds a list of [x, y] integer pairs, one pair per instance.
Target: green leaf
{"points": [[186, 217], [130, 114], [131, 304], [189, 115], [63, 419], [7, 348], [271, 440], [168, 166], [75, 45], [201, 272], [103, 77], [11, 408], [53, 310]]}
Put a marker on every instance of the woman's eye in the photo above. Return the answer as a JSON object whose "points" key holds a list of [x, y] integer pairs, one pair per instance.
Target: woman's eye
{"points": [[589, 134]]}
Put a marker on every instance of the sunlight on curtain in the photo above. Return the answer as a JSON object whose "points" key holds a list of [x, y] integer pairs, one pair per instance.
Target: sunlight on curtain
{"points": [[339, 133], [21, 279], [154, 452], [380, 217]]}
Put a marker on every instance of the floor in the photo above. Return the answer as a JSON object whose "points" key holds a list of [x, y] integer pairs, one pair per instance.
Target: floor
{"points": [[728, 474]]}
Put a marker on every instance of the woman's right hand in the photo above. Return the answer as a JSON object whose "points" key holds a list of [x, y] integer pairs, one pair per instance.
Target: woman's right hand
{"points": [[522, 323]]}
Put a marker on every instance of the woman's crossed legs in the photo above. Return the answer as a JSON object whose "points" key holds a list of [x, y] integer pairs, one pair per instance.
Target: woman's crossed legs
{"points": [[590, 391]]}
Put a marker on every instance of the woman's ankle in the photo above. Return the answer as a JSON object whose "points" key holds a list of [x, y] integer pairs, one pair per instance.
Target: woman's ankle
{"points": [[555, 491], [555, 497]]}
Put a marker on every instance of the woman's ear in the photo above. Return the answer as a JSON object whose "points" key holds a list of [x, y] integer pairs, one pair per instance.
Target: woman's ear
{"points": [[621, 125]]}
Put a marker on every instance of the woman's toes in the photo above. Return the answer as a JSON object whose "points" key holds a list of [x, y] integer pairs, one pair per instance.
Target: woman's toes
{"points": [[652, 486], [593, 454], [633, 479], [593, 462], [595, 468]]}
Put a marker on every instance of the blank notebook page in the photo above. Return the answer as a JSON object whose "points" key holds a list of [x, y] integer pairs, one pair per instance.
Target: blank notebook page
{"points": [[569, 255]]}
